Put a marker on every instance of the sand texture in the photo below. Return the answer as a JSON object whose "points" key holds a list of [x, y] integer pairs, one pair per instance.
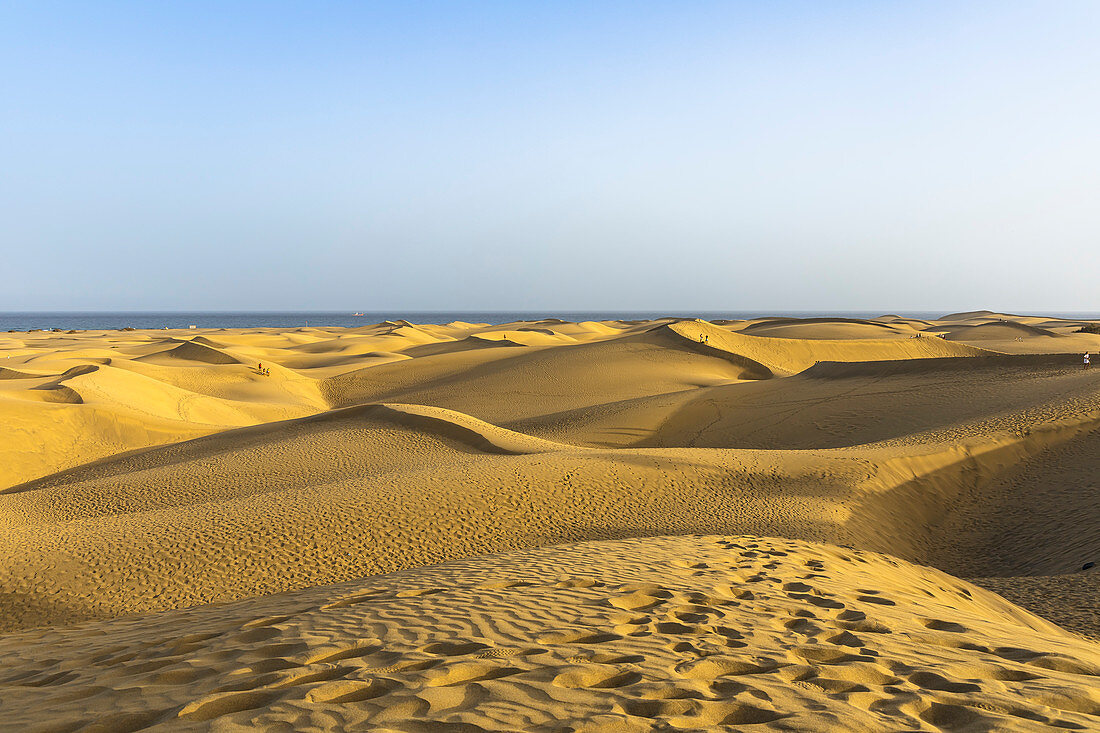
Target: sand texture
{"points": [[553, 526]]}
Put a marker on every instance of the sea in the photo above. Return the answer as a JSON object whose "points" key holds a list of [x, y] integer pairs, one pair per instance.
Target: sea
{"points": [[93, 321]]}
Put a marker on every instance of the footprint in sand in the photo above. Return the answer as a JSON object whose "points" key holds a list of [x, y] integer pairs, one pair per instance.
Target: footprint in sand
{"points": [[454, 648], [576, 636], [216, 705], [711, 667], [473, 671], [364, 648], [347, 691], [596, 677]]}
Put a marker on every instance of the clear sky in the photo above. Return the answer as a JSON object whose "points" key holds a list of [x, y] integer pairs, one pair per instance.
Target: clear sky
{"points": [[550, 155]]}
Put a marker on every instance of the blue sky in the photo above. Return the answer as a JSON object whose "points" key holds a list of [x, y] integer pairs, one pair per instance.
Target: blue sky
{"points": [[515, 155]]}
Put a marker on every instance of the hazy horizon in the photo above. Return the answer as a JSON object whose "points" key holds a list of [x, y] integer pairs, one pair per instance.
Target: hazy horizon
{"points": [[569, 157]]}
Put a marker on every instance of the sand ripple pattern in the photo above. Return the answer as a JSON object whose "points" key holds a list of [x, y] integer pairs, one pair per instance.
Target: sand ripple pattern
{"points": [[680, 633]]}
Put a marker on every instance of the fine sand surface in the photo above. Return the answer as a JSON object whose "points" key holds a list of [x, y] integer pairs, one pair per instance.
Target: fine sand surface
{"points": [[694, 632], [159, 472]]}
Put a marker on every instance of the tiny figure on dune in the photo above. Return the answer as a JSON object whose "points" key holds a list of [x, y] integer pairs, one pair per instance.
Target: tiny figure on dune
{"points": [[1086, 360], [264, 371]]}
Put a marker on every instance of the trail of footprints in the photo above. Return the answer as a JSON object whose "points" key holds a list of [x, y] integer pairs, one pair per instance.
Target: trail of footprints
{"points": [[728, 646]]}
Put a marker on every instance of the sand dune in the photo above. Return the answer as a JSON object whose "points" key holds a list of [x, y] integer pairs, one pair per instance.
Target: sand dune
{"points": [[14, 374], [835, 405], [156, 472], [978, 315], [826, 328], [697, 632], [194, 351], [786, 356], [498, 384], [995, 332]]}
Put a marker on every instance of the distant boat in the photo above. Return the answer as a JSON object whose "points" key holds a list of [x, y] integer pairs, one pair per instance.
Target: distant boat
{"points": [[357, 314]]}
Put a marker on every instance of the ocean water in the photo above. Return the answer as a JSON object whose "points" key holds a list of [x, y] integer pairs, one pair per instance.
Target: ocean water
{"points": [[87, 321]]}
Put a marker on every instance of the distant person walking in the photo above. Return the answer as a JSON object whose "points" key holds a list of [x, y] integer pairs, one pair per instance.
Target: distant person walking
{"points": [[1086, 360]]}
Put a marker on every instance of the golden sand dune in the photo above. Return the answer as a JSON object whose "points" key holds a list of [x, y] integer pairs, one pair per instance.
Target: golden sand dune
{"points": [[506, 383], [844, 404], [827, 328], [366, 490], [784, 356], [193, 351], [695, 632], [151, 471], [995, 332], [14, 374]]}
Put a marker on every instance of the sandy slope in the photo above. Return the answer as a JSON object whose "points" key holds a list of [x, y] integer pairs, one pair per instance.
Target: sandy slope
{"points": [[696, 632], [150, 471]]}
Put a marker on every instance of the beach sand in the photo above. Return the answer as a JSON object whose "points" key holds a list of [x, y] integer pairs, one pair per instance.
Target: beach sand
{"points": [[553, 526]]}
